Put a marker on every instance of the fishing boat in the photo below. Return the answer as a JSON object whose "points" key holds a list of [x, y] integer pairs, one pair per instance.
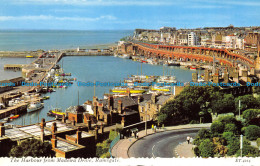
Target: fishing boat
{"points": [[29, 56], [193, 68], [125, 90], [125, 56], [34, 106], [14, 116], [56, 112], [173, 63], [160, 89], [46, 97]]}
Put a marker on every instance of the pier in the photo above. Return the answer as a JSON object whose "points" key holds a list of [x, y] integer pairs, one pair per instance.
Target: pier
{"points": [[13, 67]]}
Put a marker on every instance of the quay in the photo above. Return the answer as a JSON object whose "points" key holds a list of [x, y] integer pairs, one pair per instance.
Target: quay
{"points": [[19, 108], [88, 54], [13, 67]]}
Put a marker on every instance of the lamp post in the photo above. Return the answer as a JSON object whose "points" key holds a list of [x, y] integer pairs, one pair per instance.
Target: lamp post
{"points": [[239, 105], [146, 119], [241, 145]]}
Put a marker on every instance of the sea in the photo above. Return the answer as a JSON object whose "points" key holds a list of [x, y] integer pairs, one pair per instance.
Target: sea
{"points": [[103, 69]]}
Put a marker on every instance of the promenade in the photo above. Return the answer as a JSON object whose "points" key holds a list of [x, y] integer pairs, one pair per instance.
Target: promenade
{"points": [[120, 149]]}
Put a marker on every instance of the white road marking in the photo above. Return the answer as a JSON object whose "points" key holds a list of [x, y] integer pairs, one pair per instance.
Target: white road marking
{"points": [[159, 142]]}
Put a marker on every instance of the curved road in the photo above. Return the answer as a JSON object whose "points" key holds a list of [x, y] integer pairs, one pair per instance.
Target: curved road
{"points": [[161, 144]]}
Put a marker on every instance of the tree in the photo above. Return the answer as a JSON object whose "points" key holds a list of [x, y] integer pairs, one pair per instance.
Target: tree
{"points": [[161, 118], [252, 132], [223, 103], [247, 101], [206, 148], [186, 106], [250, 115], [33, 148]]}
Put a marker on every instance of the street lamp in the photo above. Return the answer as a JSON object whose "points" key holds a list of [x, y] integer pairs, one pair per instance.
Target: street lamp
{"points": [[239, 105], [241, 145], [146, 119]]}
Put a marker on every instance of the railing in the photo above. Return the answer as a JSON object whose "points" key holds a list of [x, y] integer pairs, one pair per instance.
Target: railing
{"points": [[112, 144]]}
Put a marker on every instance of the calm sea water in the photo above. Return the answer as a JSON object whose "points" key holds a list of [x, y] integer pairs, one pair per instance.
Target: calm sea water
{"points": [[90, 69], [103, 69], [8, 74], [21, 40]]}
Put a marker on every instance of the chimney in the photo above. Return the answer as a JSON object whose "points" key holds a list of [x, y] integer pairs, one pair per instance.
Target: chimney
{"points": [[54, 141], [245, 75], [74, 121], [63, 119], [119, 106], [153, 98], [194, 77], [79, 136], [95, 99], [226, 77], [139, 99], [96, 134], [215, 79], [89, 124], [54, 128], [123, 121], [110, 102], [252, 71], [95, 108], [102, 128], [207, 77], [2, 129], [100, 107], [235, 76]]}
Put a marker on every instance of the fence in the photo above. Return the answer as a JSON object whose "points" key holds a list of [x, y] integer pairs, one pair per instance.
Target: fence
{"points": [[113, 144]]}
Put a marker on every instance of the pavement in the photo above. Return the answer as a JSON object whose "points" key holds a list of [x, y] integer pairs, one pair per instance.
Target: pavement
{"points": [[120, 149], [185, 150]]}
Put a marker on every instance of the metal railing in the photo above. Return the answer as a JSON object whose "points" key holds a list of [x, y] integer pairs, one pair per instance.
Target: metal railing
{"points": [[112, 144]]}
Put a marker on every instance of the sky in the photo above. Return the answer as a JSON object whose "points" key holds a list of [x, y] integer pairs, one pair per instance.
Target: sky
{"points": [[126, 14]]}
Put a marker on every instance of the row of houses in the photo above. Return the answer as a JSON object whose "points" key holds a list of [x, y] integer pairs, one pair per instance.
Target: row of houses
{"points": [[218, 37]]}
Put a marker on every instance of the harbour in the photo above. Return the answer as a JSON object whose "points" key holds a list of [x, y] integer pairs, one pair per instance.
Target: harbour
{"points": [[108, 72]]}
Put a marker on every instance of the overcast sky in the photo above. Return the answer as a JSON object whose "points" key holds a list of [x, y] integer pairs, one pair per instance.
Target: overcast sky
{"points": [[126, 14]]}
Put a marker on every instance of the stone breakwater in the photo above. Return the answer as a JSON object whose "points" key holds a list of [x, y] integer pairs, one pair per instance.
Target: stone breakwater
{"points": [[19, 53]]}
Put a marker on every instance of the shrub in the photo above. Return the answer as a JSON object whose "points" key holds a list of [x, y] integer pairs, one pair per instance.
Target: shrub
{"points": [[105, 155], [112, 134], [252, 132], [33, 148], [248, 151], [258, 142], [250, 114], [216, 128], [102, 148], [230, 127], [233, 146], [228, 136], [206, 148], [203, 133], [196, 151]]}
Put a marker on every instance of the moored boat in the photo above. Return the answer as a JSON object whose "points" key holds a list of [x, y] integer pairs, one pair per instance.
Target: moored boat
{"points": [[56, 112], [34, 106], [14, 116]]}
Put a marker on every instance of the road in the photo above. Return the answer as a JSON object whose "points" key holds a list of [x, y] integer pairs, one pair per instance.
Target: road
{"points": [[161, 144]]}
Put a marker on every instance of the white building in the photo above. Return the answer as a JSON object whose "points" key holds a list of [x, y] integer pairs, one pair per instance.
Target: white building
{"points": [[192, 39]]}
